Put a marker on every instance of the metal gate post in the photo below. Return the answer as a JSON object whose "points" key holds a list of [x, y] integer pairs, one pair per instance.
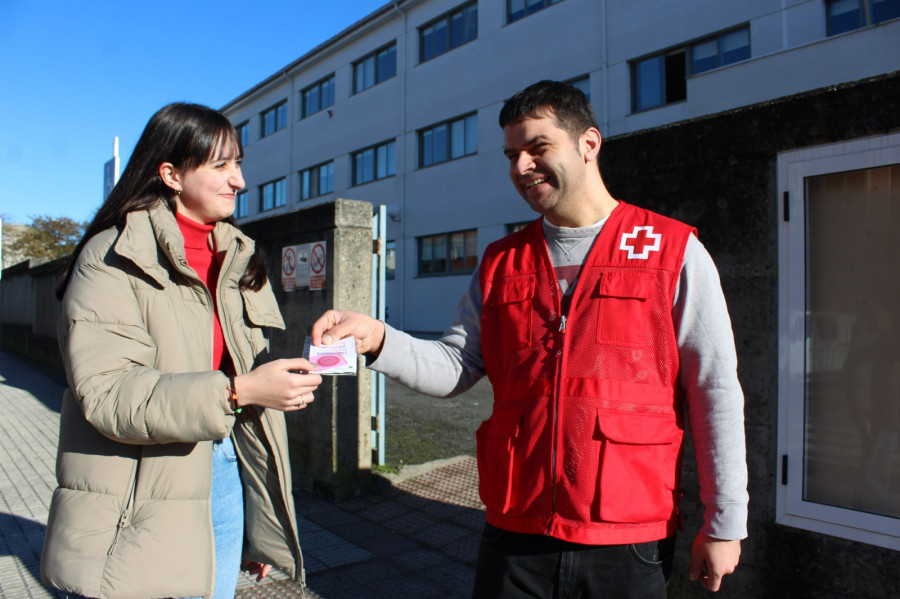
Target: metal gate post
{"points": [[379, 268]]}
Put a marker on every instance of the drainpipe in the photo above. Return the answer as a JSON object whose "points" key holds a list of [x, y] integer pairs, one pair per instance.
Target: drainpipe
{"points": [[288, 201], [402, 171], [604, 78]]}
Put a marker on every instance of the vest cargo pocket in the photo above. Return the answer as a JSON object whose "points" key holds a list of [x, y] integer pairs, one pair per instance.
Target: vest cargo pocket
{"points": [[638, 466], [497, 464], [507, 314]]}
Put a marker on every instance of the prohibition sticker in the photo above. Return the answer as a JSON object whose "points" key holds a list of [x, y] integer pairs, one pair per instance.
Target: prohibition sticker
{"points": [[317, 264], [289, 268]]}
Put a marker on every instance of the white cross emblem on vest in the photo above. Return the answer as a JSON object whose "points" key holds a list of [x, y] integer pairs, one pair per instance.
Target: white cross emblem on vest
{"points": [[640, 242]]}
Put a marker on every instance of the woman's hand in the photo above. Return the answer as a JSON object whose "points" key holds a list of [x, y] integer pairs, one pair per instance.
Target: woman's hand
{"points": [[261, 570], [285, 385]]}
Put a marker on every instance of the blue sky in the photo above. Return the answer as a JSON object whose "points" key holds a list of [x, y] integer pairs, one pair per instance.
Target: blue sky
{"points": [[76, 74]]}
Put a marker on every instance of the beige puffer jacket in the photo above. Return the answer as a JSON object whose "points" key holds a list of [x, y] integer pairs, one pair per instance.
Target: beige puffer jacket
{"points": [[131, 514]]}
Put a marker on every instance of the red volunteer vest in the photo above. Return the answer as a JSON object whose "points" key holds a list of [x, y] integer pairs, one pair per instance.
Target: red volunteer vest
{"points": [[584, 442]]}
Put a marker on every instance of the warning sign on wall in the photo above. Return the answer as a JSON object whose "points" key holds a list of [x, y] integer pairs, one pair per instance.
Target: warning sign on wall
{"points": [[298, 269], [317, 261]]}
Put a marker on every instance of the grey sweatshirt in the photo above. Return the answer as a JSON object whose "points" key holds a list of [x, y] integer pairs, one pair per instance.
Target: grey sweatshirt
{"points": [[708, 368]]}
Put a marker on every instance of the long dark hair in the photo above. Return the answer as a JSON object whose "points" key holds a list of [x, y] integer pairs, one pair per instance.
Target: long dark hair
{"points": [[185, 135]]}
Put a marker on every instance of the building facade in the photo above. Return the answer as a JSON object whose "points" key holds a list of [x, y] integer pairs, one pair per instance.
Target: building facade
{"points": [[770, 125], [401, 108]]}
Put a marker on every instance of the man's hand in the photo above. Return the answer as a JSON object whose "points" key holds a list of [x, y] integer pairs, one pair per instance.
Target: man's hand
{"points": [[711, 559], [334, 325]]}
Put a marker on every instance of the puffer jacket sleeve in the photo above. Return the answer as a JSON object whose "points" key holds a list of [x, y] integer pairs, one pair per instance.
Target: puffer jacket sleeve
{"points": [[110, 354]]}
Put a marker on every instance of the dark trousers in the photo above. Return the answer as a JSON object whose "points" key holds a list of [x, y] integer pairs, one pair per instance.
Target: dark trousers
{"points": [[515, 566]]}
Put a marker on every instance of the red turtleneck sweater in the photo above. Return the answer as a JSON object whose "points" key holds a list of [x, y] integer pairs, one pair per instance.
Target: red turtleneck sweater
{"points": [[202, 259]]}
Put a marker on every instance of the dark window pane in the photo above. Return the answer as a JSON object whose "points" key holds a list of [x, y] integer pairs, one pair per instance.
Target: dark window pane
{"points": [[704, 56], [440, 143], [676, 87], [427, 148], [844, 15], [648, 81], [882, 10], [735, 46], [387, 64]]}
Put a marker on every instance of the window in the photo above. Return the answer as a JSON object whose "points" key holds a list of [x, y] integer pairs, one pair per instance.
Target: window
{"points": [[241, 203], [662, 78], [273, 119], [448, 32], [719, 51], [847, 15], [375, 68], [317, 181], [447, 141], [317, 96], [272, 195], [839, 322], [449, 253], [374, 163], [584, 84], [390, 261], [243, 133], [659, 80], [519, 9]]}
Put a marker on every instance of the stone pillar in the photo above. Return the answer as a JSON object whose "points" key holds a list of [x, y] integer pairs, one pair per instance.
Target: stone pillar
{"points": [[330, 441]]}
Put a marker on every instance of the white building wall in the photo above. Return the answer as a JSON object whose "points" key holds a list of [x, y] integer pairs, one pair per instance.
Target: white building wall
{"points": [[790, 53]]}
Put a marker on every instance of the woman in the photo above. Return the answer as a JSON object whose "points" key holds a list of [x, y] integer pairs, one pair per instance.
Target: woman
{"points": [[173, 450]]}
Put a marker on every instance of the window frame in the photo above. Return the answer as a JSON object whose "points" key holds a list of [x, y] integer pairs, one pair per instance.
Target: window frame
{"points": [[314, 174], [275, 184], [447, 20], [527, 11], [390, 170], [794, 167], [242, 203], [447, 239], [279, 110], [866, 17], [243, 133], [378, 76], [318, 86], [449, 125], [677, 66]]}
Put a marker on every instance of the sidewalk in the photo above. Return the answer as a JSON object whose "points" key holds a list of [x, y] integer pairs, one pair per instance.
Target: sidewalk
{"points": [[414, 535]]}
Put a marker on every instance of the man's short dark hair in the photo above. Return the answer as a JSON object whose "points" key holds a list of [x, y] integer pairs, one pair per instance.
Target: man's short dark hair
{"points": [[566, 102]]}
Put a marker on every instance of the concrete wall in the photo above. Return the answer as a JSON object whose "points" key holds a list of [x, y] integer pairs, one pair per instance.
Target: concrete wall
{"points": [[719, 174], [331, 448], [29, 311]]}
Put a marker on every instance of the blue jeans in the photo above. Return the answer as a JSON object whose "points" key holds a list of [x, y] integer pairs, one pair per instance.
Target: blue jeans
{"points": [[518, 566], [227, 517]]}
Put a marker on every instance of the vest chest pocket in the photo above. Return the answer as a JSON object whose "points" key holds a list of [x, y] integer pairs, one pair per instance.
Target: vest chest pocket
{"points": [[624, 308], [508, 313]]}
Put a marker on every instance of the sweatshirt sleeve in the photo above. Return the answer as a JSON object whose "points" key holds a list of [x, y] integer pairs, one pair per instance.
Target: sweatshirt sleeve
{"points": [[109, 355], [715, 401], [444, 367]]}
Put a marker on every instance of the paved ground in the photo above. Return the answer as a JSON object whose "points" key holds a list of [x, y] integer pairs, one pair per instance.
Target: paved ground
{"points": [[414, 535]]}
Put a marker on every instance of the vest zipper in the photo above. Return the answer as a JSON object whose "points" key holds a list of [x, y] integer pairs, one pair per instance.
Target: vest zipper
{"points": [[562, 333], [125, 516]]}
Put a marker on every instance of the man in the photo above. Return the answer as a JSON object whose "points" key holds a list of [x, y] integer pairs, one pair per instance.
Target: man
{"points": [[594, 323]]}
